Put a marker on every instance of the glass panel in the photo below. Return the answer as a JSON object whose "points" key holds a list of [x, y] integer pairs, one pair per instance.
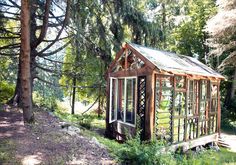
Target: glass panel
{"points": [[203, 101], [213, 91], [165, 101], [179, 108], [180, 81], [113, 99], [178, 130], [214, 98], [191, 99], [120, 99], [166, 82], [204, 90], [130, 101]]}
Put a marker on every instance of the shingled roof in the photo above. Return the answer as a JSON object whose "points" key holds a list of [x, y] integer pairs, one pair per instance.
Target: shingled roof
{"points": [[172, 62]]}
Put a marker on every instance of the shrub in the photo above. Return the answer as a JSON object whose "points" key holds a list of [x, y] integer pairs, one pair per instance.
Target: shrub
{"points": [[6, 91], [136, 152]]}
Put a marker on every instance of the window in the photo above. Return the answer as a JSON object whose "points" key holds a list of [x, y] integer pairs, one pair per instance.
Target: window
{"points": [[164, 100], [214, 98], [123, 99], [120, 99], [130, 100], [192, 97]]}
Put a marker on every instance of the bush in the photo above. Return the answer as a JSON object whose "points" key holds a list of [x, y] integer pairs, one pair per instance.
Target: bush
{"points": [[136, 152], [49, 103], [6, 91]]}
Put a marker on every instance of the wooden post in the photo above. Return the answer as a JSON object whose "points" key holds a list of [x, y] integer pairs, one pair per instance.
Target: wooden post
{"points": [[198, 105], [149, 119], [126, 59], [172, 112], [218, 108], [186, 108], [208, 117]]}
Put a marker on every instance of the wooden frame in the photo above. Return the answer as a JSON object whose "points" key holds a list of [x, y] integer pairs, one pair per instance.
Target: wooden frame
{"points": [[198, 126]]}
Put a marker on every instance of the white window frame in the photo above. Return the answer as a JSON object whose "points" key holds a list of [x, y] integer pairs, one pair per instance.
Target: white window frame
{"points": [[125, 96], [110, 108]]}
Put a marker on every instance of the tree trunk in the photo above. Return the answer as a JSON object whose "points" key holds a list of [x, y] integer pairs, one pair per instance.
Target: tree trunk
{"points": [[15, 100], [25, 77], [73, 96], [99, 101], [233, 90]]}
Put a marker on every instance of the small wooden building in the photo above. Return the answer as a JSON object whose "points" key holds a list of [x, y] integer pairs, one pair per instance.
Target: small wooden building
{"points": [[167, 96]]}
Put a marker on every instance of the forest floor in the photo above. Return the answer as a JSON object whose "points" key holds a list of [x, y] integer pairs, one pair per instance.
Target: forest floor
{"points": [[46, 142]]}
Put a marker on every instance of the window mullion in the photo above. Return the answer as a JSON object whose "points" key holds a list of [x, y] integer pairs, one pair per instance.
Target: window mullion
{"points": [[125, 99], [116, 99]]}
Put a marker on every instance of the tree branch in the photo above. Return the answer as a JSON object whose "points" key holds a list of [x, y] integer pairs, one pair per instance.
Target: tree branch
{"points": [[4, 4], [58, 39], [10, 46], [45, 24], [63, 26], [55, 51], [11, 37], [12, 18], [9, 55], [54, 61], [15, 4]]}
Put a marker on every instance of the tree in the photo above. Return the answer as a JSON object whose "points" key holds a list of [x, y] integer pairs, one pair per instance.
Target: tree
{"points": [[99, 29], [25, 62], [188, 37], [42, 20], [222, 31]]}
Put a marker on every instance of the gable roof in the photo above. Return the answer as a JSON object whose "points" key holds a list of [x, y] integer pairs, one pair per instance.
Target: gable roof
{"points": [[172, 62]]}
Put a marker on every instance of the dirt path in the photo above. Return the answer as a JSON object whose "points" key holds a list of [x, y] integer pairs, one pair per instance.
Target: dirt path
{"points": [[45, 142]]}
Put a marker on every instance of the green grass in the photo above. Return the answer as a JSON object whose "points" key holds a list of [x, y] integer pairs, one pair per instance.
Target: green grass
{"points": [[207, 157], [89, 121], [7, 149]]}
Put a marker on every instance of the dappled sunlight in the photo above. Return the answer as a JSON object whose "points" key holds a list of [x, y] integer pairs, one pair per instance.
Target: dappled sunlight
{"points": [[32, 159], [76, 161], [11, 124]]}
